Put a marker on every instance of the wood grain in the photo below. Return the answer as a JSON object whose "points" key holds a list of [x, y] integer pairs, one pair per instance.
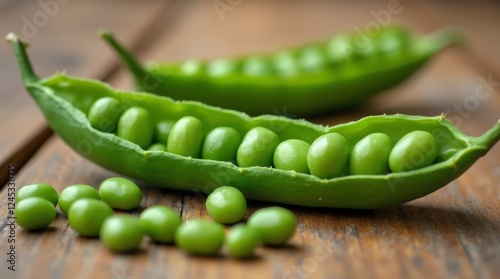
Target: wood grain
{"points": [[452, 233], [66, 40]]}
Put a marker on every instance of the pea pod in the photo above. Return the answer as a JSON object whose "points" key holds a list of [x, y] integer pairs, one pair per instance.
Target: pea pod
{"points": [[311, 79], [65, 102]]}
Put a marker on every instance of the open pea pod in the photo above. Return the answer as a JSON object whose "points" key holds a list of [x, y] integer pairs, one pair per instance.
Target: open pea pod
{"points": [[324, 77], [65, 101]]}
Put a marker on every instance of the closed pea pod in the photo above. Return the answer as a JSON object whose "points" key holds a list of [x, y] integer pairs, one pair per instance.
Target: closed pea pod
{"points": [[292, 155], [135, 125], [186, 137], [221, 144], [104, 114], [371, 155], [415, 150], [328, 155], [41, 190], [257, 148]]}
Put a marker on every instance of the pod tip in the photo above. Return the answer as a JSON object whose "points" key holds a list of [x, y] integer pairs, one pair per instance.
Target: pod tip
{"points": [[104, 32]]}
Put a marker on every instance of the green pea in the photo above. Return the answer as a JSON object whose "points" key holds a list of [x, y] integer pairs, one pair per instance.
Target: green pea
{"points": [[75, 192], [285, 63], [226, 205], [157, 147], [135, 126], [200, 237], [186, 137], [85, 216], [257, 66], [275, 225], [162, 130], [312, 59], [340, 49], [371, 154], [257, 148], [160, 223], [104, 114], [292, 155], [415, 150], [192, 67], [34, 213], [120, 193], [328, 155], [121, 233], [221, 144], [41, 190], [242, 241], [222, 67], [392, 41]]}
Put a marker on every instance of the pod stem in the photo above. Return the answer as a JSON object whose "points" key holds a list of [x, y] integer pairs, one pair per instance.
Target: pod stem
{"points": [[126, 56], [19, 47], [491, 137], [446, 36]]}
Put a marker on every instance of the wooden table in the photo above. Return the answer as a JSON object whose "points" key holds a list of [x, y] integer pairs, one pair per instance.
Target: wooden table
{"points": [[452, 233]]}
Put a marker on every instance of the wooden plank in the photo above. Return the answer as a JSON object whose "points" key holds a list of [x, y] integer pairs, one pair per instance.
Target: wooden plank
{"points": [[65, 39], [452, 233]]}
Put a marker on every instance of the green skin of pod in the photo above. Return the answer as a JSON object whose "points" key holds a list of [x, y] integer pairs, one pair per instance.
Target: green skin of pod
{"points": [[65, 102], [135, 126], [121, 233], [328, 155], [75, 192], [292, 155], [257, 148], [85, 216], [160, 223], [371, 155], [41, 190], [104, 114], [120, 193], [309, 79], [226, 205], [200, 237], [186, 137], [416, 150], [34, 213], [242, 241], [275, 225], [221, 144]]}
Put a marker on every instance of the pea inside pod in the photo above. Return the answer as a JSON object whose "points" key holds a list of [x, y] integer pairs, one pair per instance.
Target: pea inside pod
{"points": [[371, 155], [328, 155], [415, 150], [186, 137], [257, 148], [135, 125]]}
